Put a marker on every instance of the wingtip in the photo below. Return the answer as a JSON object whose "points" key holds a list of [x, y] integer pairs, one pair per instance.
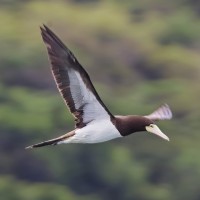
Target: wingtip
{"points": [[43, 28], [169, 110]]}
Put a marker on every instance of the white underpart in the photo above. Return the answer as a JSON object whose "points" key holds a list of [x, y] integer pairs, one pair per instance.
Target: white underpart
{"points": [[83, 97], [95, 132], [99, 127]]}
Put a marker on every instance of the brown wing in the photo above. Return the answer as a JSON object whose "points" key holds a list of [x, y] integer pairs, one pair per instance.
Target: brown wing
{"points": [[73, 82]]}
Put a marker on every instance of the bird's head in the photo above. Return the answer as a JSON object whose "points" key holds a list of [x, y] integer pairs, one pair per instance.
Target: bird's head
{"points": [[127, 125]]}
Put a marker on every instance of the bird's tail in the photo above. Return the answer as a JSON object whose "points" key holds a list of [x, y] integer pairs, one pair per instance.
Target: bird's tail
{"points": [[45, 143], [54, 141]]}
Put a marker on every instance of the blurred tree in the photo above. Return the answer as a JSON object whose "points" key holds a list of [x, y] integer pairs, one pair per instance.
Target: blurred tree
{"points": [[139, 53]]}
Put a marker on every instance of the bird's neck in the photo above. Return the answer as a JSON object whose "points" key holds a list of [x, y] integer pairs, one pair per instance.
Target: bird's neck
{"points": [[127, 125]]}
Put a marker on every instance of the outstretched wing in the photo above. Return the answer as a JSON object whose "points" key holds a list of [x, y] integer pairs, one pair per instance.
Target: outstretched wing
{"points": [[162, 113], [73, 82]]}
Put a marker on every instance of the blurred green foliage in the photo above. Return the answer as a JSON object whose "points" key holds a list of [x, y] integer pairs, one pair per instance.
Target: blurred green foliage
{"points": [[139, 53]]}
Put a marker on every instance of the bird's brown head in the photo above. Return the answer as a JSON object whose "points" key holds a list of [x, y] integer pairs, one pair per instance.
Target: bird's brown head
{"points": [[130, 124]]}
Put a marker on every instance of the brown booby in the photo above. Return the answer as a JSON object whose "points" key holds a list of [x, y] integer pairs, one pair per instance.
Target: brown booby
{"points": [[94, 123]]}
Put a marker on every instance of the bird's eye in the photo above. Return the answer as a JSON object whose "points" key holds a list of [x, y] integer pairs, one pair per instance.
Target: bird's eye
{"points": [[151, 125]]}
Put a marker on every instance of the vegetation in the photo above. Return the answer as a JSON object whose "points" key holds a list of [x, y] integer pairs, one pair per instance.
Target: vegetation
{"points": [[139, 53]]}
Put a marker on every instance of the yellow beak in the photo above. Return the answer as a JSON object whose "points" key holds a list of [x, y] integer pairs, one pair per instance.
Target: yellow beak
{"points": [[152, 128]]}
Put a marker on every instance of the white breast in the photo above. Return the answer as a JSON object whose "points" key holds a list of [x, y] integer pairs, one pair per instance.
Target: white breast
{"points": [[95, 132]]}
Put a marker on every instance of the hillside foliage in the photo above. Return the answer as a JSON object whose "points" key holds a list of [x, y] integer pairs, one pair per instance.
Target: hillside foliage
{"points": [[139, 54]]}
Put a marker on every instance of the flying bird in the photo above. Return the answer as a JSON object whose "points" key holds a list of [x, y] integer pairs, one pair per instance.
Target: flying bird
{"points": [[94, 123]]}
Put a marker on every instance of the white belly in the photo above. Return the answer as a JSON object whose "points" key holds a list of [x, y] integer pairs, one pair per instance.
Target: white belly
{"points": [[95, 132]]}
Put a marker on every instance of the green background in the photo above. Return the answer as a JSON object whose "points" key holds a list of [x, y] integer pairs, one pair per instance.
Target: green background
{"points": [[139, 54]]}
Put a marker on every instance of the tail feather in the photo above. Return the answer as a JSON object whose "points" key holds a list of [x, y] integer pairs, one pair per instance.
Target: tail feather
{"points": [[53, 141], [45, 143]]}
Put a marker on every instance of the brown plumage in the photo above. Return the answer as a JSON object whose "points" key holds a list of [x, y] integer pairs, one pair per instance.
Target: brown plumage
{"points": [[62, 59], [54, 141], [93, 121], [129, 124]]}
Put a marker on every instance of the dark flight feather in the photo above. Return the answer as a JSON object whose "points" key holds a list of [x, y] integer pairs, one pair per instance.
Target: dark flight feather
{"points": [[65, 68]]}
